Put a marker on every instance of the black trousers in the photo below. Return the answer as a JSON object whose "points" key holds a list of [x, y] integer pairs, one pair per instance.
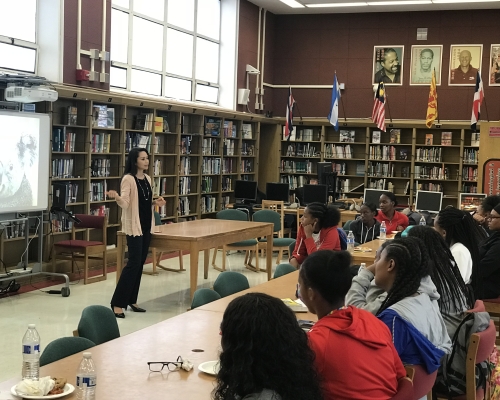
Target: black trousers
{"points": [[127, 289]]}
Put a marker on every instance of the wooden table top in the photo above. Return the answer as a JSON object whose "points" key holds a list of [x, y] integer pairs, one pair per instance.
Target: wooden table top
{"points": [[369, 257]]}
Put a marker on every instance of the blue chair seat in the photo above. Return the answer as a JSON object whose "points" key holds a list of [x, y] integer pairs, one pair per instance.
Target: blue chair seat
{"points": [[243, 243], [279, 242]]}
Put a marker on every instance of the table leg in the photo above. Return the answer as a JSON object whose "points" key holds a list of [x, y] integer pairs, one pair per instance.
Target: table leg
{"points": [[206, 260], [193, 266], [269, 255], [120, 250]]}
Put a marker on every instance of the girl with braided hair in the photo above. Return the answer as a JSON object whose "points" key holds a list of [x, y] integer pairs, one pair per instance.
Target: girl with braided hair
{"points": [[318, 231]]}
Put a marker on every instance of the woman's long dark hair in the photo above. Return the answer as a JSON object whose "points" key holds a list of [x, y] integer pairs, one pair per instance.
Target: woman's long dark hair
{"points": [[264, 348], [131, 163], [328, 215], [460, 227], [412, 264], [444, 273]]}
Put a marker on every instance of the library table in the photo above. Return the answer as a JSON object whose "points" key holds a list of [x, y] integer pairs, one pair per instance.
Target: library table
{"points": [[202, 234], [359, 257]]}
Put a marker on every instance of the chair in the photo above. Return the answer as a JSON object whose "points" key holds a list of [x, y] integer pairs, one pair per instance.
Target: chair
{"points": [[204, 296], [405, 390], [157, 255], [478, 307], [78, 250], [64, 347], [280, 243], [347, 225], [291, 247], [230, 282], [279, 207], [98, 324], [422, 381], [246, 245], [492, 306], [283, 269]]}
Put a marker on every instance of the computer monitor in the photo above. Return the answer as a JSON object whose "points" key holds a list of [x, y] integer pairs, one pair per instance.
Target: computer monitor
{"points": [[245, 191], [59, 196], [328, 177], [428, 201], [278, 191], [315, 193], [470, 201], [373, 196]]}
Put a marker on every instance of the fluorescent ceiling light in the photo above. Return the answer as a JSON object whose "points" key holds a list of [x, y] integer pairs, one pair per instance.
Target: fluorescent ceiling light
{"points": [[336, 5], [292, 3], [398, 3], [463, 1]]}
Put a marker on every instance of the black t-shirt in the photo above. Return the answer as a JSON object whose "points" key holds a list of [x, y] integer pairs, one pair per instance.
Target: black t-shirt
{"points": [[145, 200]]}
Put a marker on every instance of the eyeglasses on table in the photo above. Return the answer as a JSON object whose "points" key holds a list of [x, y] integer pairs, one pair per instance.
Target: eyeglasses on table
{"points": [[157, 366]]}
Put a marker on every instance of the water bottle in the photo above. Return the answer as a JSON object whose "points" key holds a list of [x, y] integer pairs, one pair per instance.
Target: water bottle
{"points": [[422, 221], [350, 242], [383, 231], [86, 378], [31, 354], [361, 267]]}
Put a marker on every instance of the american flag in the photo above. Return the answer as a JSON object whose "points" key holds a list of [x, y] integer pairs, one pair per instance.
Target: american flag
{"points": [[378, 113], [476, 103], [289, 114]]}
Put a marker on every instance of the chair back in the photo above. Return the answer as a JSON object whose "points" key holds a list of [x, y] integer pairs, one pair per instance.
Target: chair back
{"points": [[204, 296], [98, 323], [347, 225], [283, 269], [90, 221], [478, 307], [279, 207], [486, 341], [64, 347], [233, 215], [422, 381], [157, 218], [405, 390], [269, 216], [291, 248], [230, 282]]}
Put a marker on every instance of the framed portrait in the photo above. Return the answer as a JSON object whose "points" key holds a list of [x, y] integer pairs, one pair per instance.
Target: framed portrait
{"points": [[425, 59], [388, 65], [465, 60], [494, 65]]}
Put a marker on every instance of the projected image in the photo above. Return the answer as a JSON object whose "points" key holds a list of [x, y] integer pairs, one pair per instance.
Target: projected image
{"points": [[19, 157]]}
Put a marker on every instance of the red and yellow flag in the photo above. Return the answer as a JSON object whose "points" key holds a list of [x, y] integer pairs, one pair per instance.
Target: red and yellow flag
{"points": [[432, 104]]}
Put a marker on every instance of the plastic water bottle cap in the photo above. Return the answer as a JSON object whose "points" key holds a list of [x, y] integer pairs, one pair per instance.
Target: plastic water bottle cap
{"points": [[363, 265], [87, 354], [31, 326]]}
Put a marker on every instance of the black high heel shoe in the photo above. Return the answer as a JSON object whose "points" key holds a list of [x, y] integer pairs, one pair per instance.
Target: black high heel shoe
{"points": [[136, 309], [117, 315]]}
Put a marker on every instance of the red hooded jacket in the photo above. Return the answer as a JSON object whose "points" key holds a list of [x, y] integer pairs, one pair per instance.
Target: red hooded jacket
{"points": [[328, 240], [355, 356]]}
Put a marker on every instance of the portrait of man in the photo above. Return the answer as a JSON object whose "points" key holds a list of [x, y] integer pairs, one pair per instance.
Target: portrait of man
{"points": [[387, 65], [495, 65], [465, 60], [425, 59]]}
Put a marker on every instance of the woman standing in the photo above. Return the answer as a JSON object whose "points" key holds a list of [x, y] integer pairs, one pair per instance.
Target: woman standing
{"points": [[394, 220], [489, 254], [366, 228], [136, 201]]}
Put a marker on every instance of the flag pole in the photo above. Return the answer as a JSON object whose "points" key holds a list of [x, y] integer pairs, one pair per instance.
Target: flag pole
{"points": [[436, 99], [387, 101], [486, 109]]}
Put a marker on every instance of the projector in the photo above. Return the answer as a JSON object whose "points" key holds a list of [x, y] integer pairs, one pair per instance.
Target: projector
{"points": [[32, 94]]}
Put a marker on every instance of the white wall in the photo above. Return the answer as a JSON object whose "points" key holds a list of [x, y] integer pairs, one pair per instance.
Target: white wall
{"points": [[50, 20], [228, 52]]}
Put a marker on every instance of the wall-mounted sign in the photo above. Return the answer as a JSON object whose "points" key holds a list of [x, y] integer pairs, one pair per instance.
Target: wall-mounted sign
{"points": [[491, 177], [494, 131]]}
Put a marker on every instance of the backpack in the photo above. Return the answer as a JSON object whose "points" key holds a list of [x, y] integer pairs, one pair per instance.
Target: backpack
{"points": [[451, 376], [343, 239]]}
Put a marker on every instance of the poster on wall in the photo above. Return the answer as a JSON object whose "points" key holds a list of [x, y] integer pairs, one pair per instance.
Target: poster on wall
{"points": [[465, 60], [424, 59], [495, 65], [491, 177], [388, 65]]}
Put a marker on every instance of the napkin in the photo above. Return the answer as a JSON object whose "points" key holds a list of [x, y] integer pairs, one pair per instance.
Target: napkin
{"points": [[35, 388], [187, 365]]}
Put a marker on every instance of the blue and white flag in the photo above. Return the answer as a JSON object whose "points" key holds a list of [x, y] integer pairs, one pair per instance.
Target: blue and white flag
{"points": [[333, 117]]}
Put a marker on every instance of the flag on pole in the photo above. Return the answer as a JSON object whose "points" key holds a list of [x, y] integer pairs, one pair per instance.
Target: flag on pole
{"points": [[289, 114], [378, 113], [432, 103], [476, 103], [333, 116]]}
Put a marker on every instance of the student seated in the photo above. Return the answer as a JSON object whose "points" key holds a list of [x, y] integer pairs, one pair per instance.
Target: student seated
{"points": [[394, 220], [265, 354], [418, 329], [318, 231], [366, 228], [481, 216], [489, 256], [355, 356]]}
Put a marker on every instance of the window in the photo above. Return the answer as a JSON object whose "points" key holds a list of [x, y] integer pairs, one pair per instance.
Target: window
{"points": [[168, 48], [18, 46]]}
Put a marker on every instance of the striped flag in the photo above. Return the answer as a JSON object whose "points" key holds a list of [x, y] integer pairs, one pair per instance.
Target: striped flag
{"points": [[333, 116], [476, 103], [432, 104], [378, 113], [289, 114]]}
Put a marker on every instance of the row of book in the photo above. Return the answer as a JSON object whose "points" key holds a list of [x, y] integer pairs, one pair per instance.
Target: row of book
{"points": [[381, 169], [295, 181], [227, 166], [62, 224], [211, 146], [338, 151], [98, 190], [246, 166], [101, 211], [134, 139], [62, 168], [471, 156], [288, 166], [161, 187], [185, 167], [225, 201], [229, 146], [428, 172], [207, 184], [63, 140], [446, 139], [344, 185], [303, 134], [388, 153], [71, 192], [100, 167], [103, 116], [186, 144], [469, 173], [247, 149], [184, 185], [161, 210], [14, 229], [394, 136], [301, 150], [227, 184], [211, 166], [431, 154], [144, 122], [183, 206], [101, 142], [341, 168], [469, 188], [157, 167], [208, 204], [429, 186]]}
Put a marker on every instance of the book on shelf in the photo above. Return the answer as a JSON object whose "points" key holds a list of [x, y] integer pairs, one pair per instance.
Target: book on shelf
{"points": [[99, 116], [474, 139], [403, 154], [395, 136], [212, 126], [446, 138], [72, 115], [159, 124], [360, 168], [293, 134], [166, 127], [376, 137], [143, 122], [247, 131], [347, 136], [429, 138], [111, 118]]}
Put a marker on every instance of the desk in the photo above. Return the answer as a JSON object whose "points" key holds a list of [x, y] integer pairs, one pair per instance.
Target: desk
{"points": [[368, 257], [202, 234]]}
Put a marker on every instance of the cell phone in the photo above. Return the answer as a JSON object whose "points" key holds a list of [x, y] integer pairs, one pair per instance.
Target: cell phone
{"points": [[304, 323]]}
